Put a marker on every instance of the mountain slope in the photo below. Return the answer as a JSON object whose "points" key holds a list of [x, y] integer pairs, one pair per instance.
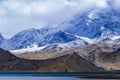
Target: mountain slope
{"points": [[90, 22], [24, 39], [38, 37], [67, 63], [102, 55], [55, 47]]}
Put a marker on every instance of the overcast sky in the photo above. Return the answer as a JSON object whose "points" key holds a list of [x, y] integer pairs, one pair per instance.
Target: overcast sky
{"points": [[17, 15]]}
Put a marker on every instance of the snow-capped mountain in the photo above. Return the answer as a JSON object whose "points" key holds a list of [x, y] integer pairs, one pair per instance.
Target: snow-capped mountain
{"points": [[60, 37], [90, 22], [107, 33], [64, 46], [51, 47], [24, 39], [93, 25], [39, 37]]}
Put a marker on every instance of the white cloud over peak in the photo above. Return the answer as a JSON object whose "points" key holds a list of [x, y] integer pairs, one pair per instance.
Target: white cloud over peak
{"points": [[116, 3], [16, 15]]}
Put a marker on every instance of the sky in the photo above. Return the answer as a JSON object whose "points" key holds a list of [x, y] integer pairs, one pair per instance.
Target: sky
{"points": [[17, 15]]}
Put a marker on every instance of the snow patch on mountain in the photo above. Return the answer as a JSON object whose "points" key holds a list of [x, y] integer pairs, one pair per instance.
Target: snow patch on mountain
{"points": [[27, 50], [64, 46], [50, 47], [107, 33], [40, 37]]}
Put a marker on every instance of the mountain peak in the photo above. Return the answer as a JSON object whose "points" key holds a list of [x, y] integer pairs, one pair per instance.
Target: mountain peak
{"points": [[92, 21]]}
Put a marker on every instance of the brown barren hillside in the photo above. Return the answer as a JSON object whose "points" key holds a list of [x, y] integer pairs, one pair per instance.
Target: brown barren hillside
{"points": [[66, 63], [103, 55]]}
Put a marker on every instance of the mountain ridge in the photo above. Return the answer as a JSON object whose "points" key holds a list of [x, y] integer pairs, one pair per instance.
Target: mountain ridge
{"points": [[100, 24]]}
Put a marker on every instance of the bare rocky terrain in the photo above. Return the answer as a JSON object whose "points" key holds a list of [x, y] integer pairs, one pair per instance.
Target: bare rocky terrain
{"points": [[66, 63], [104, 55], [97, 57]]}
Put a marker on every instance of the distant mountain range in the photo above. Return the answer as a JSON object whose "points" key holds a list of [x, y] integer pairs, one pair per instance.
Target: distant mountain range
{"points": [[30, 37], [94, 25]]}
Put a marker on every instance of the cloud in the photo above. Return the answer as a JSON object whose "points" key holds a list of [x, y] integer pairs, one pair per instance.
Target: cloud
{"points": [[34, 6], [16, 15], [116, 3], [2, 12]]}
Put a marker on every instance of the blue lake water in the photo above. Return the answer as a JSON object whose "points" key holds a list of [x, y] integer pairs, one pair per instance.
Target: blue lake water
{"points": [[42, 78]]}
